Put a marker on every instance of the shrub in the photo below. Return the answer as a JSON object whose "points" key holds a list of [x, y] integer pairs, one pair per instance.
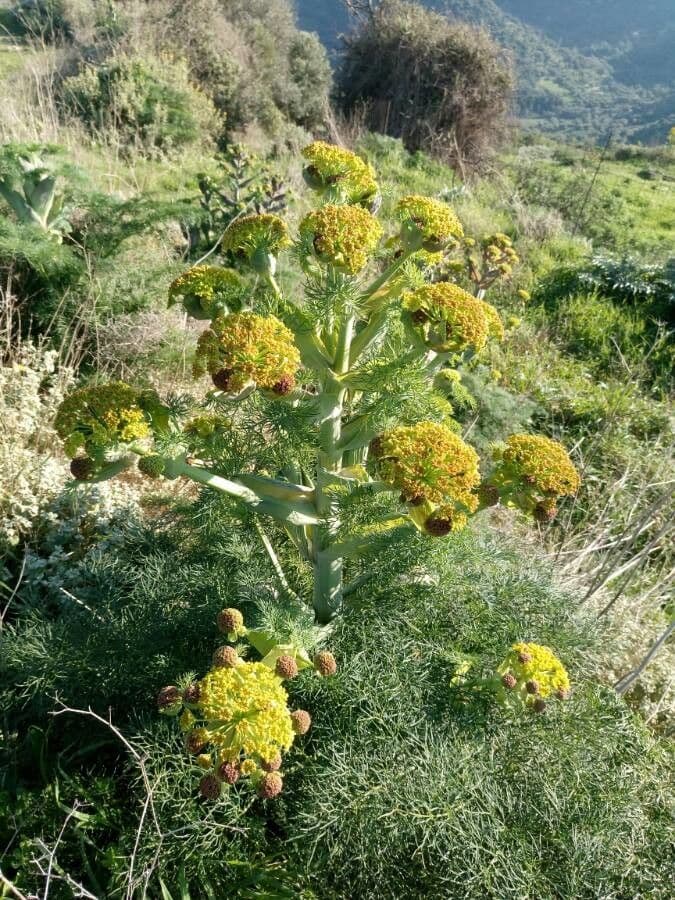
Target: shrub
{"points": [[440, 85], [149, 104]]}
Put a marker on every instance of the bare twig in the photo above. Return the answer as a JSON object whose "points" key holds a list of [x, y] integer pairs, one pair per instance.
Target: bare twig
{"points": [[624, 683]]}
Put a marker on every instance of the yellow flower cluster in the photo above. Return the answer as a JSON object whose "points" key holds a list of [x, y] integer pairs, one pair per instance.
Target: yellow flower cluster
{"points": [[339, 173], [429, 462], [341, 236], [449, 319], [205, 425], [246, 711], [102, 416], [494, 321], [206, 291], [248, 348], [259, 232], [532, 673], [428, 222], [538, 463]]}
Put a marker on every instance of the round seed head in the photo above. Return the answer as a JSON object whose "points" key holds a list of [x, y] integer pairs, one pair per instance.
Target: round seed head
{"points": [[286, 667], [221, 379], [524, 658], [438, 527], [230, 620], [191, 693], [545, 513], [532, 686], [210, 787], [82, 467], [301, 721], [324, 663], [562, 694], [196, 741], [225, 656], [539, 705], [509, 681], [284, 386], [168, 698], [270, 785], [229, 772], [272, 765]]}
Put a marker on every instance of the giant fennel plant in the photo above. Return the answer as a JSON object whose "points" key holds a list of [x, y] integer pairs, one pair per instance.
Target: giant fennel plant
{"points": [[329, 413]]}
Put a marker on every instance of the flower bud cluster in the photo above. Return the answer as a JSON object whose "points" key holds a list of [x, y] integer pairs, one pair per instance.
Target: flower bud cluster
{"points": [[103, 417], [258, 239], [344, 237], [340, 175], [497, 259], [427, 224], [532, 674], [244, 349], [532, 473], [435, 470], [448, 319], [208, 291]]}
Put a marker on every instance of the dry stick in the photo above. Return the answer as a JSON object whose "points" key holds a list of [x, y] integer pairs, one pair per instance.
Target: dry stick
{"points": [[14, 592], [10, 886], [624, 683], [140, 761], [52, 852], [634, 564]]}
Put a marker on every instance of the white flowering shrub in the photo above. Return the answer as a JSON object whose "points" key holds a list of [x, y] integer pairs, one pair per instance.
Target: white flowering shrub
{"points": [[32, 384]]}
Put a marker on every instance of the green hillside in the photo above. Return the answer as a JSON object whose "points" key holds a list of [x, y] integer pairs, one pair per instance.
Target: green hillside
{"points": [[579, 84]]}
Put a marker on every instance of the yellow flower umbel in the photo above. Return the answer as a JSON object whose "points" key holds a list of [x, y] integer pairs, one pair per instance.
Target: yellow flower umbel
{"points": [[245, 348], [245, 710], [104, 416], [344, 237], [430, 464], [207, 291], [427, 223], [494, 320], [339, 174], [532, 472], [258, 239], [531, 674], [448, 319]]}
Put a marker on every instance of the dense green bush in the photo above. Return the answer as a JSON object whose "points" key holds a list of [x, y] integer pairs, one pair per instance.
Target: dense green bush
{"points": [[148, 104], [441, 86]]}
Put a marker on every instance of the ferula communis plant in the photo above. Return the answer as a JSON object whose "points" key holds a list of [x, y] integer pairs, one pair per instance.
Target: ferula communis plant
{"points": [[361, 358]]}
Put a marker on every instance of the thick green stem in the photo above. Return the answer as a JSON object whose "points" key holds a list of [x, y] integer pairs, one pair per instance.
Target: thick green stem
{"points": [[327, 567]]}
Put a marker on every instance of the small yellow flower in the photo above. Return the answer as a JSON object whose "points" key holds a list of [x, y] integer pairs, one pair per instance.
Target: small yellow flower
{"points": [[186, 720], [246, 708], [341, 236], [537, 463], [248, 767], [257, 238]]}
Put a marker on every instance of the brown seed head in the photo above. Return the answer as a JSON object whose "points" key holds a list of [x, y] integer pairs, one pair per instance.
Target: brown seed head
{"points": [[539, 705], [270, 785], [168, 696], [532, 686], [524, 658], [286, 667], [324, 663], [226, 657], [221, 379], [562, 694], [195, 742], [230, 620], [229, 772], [272, 765], [509, 681], [284, 386], [301, 721], [82, 467], [210, 787], [545, 513], [191, 693], [438, 527]]}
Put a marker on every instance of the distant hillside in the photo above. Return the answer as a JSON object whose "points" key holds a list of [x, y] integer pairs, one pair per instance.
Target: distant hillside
{"points": [[584, 67]]}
